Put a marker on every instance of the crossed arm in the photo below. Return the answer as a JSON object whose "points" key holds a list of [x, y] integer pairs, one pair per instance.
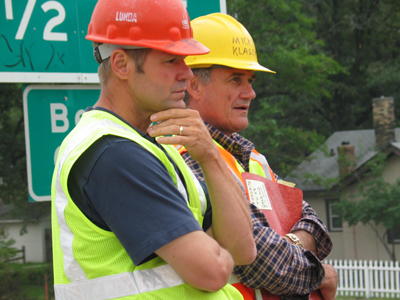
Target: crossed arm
{"points": [[329, 283], [288, 270], [206, 260]]}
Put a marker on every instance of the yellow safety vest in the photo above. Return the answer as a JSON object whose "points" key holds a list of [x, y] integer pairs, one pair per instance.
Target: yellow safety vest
{"points": [[90, 263]]}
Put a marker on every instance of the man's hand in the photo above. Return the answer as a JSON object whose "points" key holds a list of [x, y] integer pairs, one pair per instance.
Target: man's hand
{"points": [[329, 284], [231, 222], [184, 127]]}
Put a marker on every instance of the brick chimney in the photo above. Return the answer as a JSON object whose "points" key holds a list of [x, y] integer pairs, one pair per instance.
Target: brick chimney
{"points": [[346, 159], [383, 112]]}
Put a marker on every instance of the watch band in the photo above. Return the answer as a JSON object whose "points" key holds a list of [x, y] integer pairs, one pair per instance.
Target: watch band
{"points": [[296, 241]]}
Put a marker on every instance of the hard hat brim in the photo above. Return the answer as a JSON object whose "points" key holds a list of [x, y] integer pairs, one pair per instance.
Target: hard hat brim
{"points": [[230, 43], [182, 47], [240, 65]]}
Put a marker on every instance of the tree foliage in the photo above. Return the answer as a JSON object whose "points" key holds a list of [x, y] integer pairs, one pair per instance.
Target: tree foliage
{"points": [[8, 285], [13, 175], [283, 124], [15, 277], [332, 58], [375, 202], [363, 36]]}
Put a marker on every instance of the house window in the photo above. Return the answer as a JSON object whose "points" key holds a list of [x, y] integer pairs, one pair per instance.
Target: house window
{"points": [[393, 235], [334, 217]]}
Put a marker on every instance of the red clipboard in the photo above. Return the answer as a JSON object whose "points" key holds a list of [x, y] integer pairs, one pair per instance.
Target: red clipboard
{"points": [[281, 205]]}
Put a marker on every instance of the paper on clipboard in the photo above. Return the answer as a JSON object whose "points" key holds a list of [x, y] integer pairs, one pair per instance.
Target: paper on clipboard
{"points": [[281, 205]]}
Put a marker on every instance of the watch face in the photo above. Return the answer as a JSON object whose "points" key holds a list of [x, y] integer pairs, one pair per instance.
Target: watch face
{"points": [[296, 241]]}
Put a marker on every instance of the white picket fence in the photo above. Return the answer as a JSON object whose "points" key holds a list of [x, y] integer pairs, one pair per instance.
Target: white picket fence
{"points": [[379, 279]]}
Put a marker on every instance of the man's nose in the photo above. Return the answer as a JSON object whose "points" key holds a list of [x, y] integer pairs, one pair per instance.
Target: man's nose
{"points": [[248, 92], [185, 73]]}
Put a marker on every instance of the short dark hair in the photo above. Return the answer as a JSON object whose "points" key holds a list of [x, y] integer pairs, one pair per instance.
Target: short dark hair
{"points": [[138, 55]]}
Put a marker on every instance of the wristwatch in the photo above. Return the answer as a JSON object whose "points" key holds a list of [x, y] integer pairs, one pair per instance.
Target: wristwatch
{"points": [[295, 239]]}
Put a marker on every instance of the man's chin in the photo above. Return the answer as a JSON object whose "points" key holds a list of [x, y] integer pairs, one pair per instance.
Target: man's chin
{"points": [[241, 125], [180, 104]]}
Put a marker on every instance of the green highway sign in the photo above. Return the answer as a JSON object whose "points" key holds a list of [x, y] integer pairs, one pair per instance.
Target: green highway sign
{"points": [[44, 41], [50, 113], [197, 8]]}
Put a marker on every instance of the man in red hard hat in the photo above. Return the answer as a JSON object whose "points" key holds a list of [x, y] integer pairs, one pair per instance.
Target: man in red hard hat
{"points": [[129, 219]]}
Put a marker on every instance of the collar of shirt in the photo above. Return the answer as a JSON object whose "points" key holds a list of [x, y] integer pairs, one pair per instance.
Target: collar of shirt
{"points": [[237, 145], [144, 135]]}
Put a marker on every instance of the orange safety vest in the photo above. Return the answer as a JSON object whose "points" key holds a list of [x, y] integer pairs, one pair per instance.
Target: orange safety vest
{"points": [[259, 166]]}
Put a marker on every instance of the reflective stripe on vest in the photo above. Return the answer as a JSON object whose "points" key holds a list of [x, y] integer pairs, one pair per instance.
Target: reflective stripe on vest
{"points": [[202, 196], [258, 165], [256, 156], [119, 285], [236, 169], [116, 285]]}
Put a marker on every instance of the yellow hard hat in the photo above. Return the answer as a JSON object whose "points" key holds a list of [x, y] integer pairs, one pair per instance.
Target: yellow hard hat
{"points": [[230, 43]]}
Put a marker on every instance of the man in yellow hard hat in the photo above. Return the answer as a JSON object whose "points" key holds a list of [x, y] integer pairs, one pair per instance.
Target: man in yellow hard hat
{"points": [[221, 91], [129, 219]]}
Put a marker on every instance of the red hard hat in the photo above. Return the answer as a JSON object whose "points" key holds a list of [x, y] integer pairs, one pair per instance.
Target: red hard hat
{"points": [[158, 24]]}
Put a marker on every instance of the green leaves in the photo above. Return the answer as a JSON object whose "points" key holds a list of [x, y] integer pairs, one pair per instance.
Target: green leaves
{"points": [[331, 57], [8, 284], [284, 120], [13, 175], [375, 202], [12, 146], [7, 252]]}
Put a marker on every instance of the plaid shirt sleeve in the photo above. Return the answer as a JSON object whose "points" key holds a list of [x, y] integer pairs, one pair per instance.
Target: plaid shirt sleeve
{"points": [[311, 223], [193, 165], [280, 268]]}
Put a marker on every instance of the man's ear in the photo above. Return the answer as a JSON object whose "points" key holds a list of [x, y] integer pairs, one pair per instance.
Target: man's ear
{"points": [[194, 88], [119, 63]]}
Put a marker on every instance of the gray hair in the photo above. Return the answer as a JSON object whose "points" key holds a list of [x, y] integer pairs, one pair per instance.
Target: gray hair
{"points": [[204, 76]]}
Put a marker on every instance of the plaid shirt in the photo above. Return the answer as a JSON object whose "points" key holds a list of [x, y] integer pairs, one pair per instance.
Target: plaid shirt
{"points": [[280, 268]]}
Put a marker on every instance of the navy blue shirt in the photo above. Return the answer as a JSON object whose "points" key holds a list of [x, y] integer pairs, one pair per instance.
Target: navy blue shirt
{"points": [[123, 188]]}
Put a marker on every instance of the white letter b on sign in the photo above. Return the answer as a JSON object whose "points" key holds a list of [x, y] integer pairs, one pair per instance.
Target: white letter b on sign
{"points": [[61, 117]]}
